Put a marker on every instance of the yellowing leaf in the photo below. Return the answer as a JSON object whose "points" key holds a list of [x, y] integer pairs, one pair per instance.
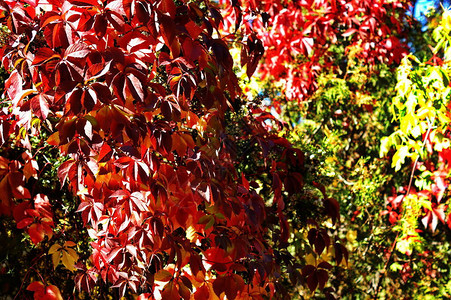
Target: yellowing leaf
{"points": [[56, 259], [310, 259], [351, 235], [327, 255], [68, 260], [385, 146], [163, 275], [56, 254], [54, 248], [446, 20], [65, 254]]}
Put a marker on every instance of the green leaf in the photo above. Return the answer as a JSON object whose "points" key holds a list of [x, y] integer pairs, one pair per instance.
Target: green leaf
{"points": [[395, 267], [386, 143]]}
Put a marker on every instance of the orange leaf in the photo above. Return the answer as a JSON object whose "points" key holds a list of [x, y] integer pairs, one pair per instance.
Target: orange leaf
{"points": [[170, 292], [202, 293], [36, 233], [35, 286], [53, 293], [163, 275]]}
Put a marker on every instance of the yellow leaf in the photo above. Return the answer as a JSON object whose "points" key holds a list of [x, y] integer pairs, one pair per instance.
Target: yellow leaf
{"points": [[68, 261], [310, 259], [56, 259], [65, 254], [54, 248], [351, 235], [386, 144], [191, 233], [72, 253], [327, 255]]}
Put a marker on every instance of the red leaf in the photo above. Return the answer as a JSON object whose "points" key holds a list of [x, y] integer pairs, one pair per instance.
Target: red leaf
{"points": [[96, 71], [100, 25], [4, 131], [67, 168], [170, 291], [349, 32], [235, 284], [332, 208], [202, 293], [307, 46], [43, 55], [184, 291], [40, 106], [325, 265], [308, 270], [35, 286], [312, 282], [84, 3], [167, 7], [134, 85], [88, 99], [78, 50], [36, 232], [116, 6], [220, 285], [113, 253], [322, 276], [25, 222], [142, 12], [284, 228], [138, 199], [13, 86], [105, 153], [53, 293], [115, 20], [49, 20]]}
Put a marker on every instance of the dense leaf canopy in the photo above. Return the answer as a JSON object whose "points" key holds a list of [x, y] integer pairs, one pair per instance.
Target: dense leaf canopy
{"points": [[221, 149]]}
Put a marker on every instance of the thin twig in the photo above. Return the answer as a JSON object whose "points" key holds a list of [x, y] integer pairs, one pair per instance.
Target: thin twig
{"points": [[28, 272]]}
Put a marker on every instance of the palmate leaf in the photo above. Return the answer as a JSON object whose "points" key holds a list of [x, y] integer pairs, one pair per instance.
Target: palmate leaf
{"points": [[66, 254], [41, 291], [69, 258], [56, 255], [151, 156]]}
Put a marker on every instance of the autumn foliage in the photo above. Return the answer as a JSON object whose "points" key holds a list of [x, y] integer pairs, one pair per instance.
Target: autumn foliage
{"points": [[142, 104], [138, 158], [300, 40]]}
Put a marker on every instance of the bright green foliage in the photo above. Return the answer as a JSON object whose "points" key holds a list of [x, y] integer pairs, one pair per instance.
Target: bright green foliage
{"points": [[421, 142], [421, 107]]}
